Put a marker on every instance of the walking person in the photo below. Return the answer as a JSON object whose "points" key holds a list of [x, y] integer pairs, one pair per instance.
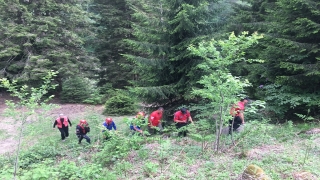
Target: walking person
{"points": [[237, 113], [62, 122], [155, 120], [181, 119], [81, 131]]}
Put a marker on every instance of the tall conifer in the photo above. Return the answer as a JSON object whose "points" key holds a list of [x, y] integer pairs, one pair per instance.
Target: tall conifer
{"points": [[38, 36], [164, 29], [114, 26], [290, 49]]}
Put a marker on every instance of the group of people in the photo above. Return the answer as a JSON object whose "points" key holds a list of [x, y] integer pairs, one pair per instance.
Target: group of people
{"points": [[63, 122], [181, 119]]}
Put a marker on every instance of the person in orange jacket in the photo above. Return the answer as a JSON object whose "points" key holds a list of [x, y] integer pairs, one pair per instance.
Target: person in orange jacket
{"points": [[62, 122]]}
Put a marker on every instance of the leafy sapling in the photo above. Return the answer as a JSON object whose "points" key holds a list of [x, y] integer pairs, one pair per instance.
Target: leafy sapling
{"points": [[30, 99], [219, 87]]}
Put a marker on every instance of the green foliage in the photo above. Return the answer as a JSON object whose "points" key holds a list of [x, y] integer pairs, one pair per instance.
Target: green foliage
{"points": [[150, 169], [290, 74], [63, 170], [219, 87], [78, 90], [114, 26], [94, 98], [39, 37], [255, 110], [122, 168], [117, 147], [120, 104], [30, 99], [163, 30], [202, 132]]}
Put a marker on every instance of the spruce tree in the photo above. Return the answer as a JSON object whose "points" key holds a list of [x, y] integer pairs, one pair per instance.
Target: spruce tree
{"points": [[114, 26], [38, 36], [290, 74], [164, 30]]}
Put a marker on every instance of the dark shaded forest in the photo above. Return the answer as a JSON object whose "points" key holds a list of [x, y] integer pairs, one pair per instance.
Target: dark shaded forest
{"points": [[159, 89], [140, 48]]}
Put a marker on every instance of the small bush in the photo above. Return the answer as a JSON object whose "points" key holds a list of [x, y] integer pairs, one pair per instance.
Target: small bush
{"points": [[75, 90], [120, 104]]}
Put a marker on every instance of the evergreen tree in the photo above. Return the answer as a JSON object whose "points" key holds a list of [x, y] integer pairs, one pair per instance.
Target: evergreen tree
{"points": [[290, 50], [114, 26], [164, 30], [40, 35]]}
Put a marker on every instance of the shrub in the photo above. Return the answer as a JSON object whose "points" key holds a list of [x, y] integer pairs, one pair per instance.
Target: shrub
{"points": [[75, 90], [120, 104]]}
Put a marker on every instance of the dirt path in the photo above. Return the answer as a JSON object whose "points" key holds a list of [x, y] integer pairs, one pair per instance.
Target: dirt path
{"points": [[9, 128]]}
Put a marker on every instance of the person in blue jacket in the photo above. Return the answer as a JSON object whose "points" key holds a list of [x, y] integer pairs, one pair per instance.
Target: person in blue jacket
{"points": [[135, 125], [109, 125]]}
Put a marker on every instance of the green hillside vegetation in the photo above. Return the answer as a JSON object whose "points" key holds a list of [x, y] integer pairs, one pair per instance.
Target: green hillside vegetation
{"points": [[114, 58], [278, 149]]}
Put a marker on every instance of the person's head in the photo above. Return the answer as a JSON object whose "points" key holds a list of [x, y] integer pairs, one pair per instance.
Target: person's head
{"points": [[140, 115], [61, 115], [245, 100], [83, 123], [160, 109], [183, 110], [108, 120]]}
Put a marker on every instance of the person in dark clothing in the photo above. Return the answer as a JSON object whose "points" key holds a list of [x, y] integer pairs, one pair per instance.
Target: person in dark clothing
{"points": [[62, 122], [81, 131]]}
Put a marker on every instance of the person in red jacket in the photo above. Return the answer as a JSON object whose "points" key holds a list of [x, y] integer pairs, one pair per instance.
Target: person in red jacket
{"points": [[155, 120], [81, 131], [181, 119], [237, 113], [62, 123]]}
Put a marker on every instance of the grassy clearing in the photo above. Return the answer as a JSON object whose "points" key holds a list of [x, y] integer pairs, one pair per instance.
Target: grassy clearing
{"points": [[3, 134], [279, 149]]}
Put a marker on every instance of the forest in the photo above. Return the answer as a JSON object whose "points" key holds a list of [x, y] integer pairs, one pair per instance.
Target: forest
{"points": [[92, 59]]}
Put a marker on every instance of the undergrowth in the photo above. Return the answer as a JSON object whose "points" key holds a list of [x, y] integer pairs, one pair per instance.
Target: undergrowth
{"points": [[279, 149]]}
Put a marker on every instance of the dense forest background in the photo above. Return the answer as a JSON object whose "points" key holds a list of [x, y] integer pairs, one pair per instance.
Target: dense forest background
{"points": [[98, 59], [140, 48]]}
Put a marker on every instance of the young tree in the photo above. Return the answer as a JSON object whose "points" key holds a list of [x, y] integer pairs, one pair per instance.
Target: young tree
{"points": [[30, 99], [220, 88]]}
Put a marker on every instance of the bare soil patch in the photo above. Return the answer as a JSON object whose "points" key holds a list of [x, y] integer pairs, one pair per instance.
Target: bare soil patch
{"points": [[259, 152], [8, 142]]}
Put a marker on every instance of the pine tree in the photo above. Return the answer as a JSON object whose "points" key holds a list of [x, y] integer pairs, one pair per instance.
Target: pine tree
{"points": [[164, 30], [38, 36], [114, 26], [290, 50]]}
